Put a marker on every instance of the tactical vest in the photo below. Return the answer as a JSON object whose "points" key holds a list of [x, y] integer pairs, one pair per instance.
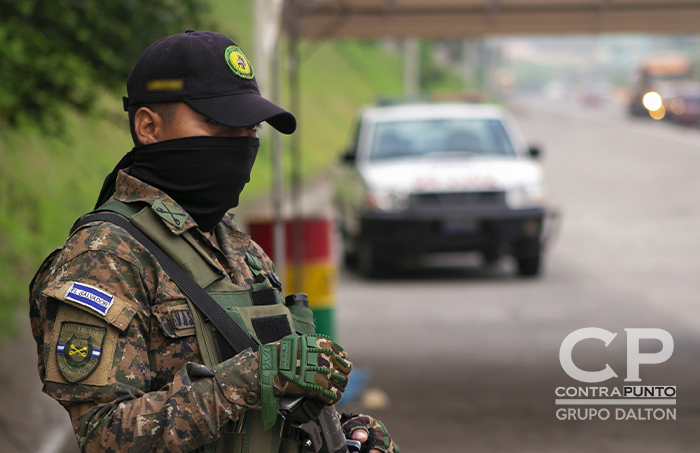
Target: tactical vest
{"points": [[260, 311]]}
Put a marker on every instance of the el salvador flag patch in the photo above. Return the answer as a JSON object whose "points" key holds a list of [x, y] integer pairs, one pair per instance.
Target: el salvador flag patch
{"points": [[90, 297]]}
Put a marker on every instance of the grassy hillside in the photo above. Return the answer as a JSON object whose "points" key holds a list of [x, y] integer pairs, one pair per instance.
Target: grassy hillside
{"points": [[337, 79], [47, 182]]}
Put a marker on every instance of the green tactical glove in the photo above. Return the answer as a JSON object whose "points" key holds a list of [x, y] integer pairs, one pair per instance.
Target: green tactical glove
{"points": [[301, 365]]}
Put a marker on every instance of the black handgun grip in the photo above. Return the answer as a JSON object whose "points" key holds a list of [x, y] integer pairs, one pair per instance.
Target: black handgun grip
{"points": [[354, 446], [332, 432], [320, 423]]}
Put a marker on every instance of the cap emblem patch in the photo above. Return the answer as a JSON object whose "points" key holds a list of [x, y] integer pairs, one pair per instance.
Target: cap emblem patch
{"points": [[238, 63], [79, 350]]}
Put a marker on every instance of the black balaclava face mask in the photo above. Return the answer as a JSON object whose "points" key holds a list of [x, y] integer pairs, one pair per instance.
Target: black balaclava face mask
{"points": [[204, 175]]}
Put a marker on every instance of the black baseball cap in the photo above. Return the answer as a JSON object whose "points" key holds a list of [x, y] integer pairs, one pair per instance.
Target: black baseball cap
{"points": [[210, 73]]}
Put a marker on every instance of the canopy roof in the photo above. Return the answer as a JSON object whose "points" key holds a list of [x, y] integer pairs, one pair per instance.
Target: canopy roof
{"points": [[375, 19]]}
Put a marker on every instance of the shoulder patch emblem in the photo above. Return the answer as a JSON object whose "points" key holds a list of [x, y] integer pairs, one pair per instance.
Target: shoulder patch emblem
{"points": [[238, 62], [171, 214], [90, 297], [79, 350]]}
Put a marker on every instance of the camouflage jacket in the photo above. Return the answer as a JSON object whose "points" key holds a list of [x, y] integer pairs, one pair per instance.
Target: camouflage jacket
{"points": [[112, 345]]}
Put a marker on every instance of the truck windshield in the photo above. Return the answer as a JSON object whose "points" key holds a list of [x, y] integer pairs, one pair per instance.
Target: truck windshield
{"points": [[440, 137]]}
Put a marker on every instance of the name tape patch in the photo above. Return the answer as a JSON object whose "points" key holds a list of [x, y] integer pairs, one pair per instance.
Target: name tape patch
{"points": [[182, 319], [90, 297]]}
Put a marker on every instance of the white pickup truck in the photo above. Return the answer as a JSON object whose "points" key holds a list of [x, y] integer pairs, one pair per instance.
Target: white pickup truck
{"points": [[429, 178]]}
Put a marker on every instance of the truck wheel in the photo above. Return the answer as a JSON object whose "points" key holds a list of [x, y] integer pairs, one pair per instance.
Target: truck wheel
{"points": [[491, 257], [367, 264], [529, 266], [349, 252], [350, 259]]}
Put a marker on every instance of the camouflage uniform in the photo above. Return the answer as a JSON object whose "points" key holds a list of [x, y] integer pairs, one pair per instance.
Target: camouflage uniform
{"points": [[147, 389]]}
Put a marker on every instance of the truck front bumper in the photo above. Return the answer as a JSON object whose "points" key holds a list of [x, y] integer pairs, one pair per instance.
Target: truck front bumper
{"points": [[493, 231]]}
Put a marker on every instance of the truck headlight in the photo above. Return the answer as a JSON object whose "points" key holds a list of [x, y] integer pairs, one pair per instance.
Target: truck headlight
{"points": [[386, 200], [652, 101], [525, 197]]}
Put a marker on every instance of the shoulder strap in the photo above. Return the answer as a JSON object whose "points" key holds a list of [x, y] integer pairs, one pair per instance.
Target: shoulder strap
{"points": [[232, 332], [203, 276], [125, 209]]}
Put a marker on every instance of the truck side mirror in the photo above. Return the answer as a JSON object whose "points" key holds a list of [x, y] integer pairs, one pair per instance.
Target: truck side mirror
{"points": [[535, 152], [348, 157]]}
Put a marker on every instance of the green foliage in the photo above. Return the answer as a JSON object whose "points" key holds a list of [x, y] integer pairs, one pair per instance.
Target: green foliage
{"points": [[62, 52], [435, 77], [337, 79], [46, 183], [234, 18]]}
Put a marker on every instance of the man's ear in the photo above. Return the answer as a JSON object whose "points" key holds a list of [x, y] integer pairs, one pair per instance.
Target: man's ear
{"points": [[148, 125]]}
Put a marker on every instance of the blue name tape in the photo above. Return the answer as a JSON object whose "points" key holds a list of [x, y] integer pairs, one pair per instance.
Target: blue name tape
{"points": [[91, 297]]}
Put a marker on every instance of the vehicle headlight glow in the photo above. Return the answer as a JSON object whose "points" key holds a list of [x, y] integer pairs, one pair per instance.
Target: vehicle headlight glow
{"points": [[525, 197], [386, 200], [652, 101], [678, 106]]}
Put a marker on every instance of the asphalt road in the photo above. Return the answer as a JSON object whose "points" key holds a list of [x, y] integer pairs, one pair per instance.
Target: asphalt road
{"points": [[470, 357]]}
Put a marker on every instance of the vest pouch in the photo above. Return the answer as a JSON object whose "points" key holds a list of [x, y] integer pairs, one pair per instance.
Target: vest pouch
{"points": [[248, 439], [265, 318], [265, 323], [260, 312], [174, 317], [303, 319]]}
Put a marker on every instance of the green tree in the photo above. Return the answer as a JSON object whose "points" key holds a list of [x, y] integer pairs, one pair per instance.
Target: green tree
{"points": [[434, 75], [58, 52]]}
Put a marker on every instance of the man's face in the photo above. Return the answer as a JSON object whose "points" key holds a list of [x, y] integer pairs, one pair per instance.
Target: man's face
{"points": [[187, 122]]}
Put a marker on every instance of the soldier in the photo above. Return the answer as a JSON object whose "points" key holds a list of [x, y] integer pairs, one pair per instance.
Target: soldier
{"points": [[132, 359]]}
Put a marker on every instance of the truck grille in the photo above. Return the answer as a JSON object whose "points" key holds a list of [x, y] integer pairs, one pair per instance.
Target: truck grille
{"points": [[458, 199]]}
